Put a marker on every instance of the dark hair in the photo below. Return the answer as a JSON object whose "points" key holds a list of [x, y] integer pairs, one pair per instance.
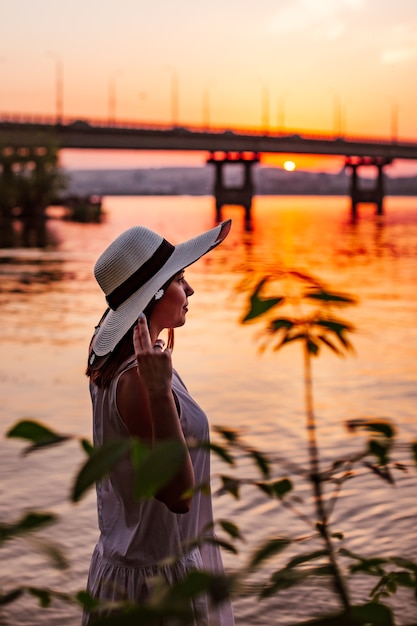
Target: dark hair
{"points": [[104, 374]]}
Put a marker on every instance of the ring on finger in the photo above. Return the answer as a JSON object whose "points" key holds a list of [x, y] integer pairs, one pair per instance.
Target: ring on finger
{"points": [[159, 344]]}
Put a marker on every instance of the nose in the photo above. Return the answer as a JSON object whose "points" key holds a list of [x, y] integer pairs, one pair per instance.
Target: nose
{"points": [[188, 289]]}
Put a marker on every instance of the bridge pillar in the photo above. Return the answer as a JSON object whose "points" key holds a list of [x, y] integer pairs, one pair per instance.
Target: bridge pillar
{"points": [[234, 194], [375, 194]]}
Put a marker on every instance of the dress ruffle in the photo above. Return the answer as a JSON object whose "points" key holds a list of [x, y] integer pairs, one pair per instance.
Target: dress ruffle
{"points": [[113, 584]]}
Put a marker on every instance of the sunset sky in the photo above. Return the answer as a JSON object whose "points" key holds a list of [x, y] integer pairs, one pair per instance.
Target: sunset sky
{"points": [[334, 66]]}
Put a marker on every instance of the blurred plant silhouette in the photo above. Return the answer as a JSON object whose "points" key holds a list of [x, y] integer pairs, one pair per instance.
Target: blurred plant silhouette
{"points": [[310, 318]]}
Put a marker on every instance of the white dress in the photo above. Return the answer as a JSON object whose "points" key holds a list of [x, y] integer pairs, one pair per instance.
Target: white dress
{"points": [[136, 536]]}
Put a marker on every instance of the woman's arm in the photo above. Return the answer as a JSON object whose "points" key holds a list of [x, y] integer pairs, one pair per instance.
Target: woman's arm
{"points": [[147, 406]]}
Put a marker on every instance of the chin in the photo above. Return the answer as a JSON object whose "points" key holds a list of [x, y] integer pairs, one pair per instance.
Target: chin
{"points": [[181, 321]]}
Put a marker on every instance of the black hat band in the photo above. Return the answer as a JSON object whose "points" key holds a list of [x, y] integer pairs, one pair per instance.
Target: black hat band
{"points": [[144, 273]]}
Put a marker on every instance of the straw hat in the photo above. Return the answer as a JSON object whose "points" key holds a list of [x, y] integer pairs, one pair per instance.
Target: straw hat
{"points": [[132, 271]]}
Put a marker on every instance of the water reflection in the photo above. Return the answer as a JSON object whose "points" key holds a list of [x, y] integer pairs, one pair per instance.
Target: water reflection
{"points": [[24, 261], [27, 233], [52, 322]]}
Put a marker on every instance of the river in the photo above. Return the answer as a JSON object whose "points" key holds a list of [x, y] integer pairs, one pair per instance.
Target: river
{"points": [[49, 304]]}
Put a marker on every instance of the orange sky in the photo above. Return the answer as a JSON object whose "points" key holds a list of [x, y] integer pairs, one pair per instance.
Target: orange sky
{"points": [[333, 66]]}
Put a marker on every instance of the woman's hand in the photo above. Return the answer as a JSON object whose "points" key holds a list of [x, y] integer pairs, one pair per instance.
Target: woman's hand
{"points": [[158, 414], [154, 363]]}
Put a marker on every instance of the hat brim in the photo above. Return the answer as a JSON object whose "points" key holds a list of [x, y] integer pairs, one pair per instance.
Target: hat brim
{"points": [[117, 323]]}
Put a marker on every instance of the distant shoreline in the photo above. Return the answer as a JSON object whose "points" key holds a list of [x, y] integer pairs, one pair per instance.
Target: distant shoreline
{"points": [[193, 181]]}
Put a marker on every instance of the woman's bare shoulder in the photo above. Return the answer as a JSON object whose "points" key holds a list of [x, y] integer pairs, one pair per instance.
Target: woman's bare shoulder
{"points": [[133, 404]]}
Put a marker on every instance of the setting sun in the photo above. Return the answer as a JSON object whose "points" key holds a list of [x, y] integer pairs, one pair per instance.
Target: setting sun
{"points": [[289, 166]]}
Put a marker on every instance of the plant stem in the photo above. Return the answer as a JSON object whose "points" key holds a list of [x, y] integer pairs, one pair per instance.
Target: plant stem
{"points": [[316, 480]]}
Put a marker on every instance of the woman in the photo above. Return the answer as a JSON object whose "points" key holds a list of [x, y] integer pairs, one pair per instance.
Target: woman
{"points": [[136, 392]]}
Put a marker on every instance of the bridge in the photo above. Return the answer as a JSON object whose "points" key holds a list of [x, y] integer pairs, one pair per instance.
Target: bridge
{"points": [[224, 146]]}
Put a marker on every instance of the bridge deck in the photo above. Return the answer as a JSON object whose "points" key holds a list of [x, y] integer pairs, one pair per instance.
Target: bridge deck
{"points": [[84, 135]]}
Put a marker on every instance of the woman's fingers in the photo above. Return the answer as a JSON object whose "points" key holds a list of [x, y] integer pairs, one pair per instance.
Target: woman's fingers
{"points": [[141, 336], [154, 363]]}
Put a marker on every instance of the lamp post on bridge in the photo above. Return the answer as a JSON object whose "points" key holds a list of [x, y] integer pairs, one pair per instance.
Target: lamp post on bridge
{"points": [[112, 96], [337, 116], [281, 113], [174, 95], [265, 108], [206, 105], [265, 105], [394, 122], [344, 117], [59, 87], [142, 97]]}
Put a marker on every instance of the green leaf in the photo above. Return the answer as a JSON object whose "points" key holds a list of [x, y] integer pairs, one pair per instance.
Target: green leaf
{"points": [[11, 596], [261, 461], [327, 296], [381, 427], [157, 467], [37, 433], [230, 434], [281, 323], [289, 577], [221, 451], [381, 471], [230, 485], [226, 545], [86, 600], [304, 558], [259, 306], [349, 554], [345, 342], [282, 487], [43, 595], [405, 563], [380, 450], [87, 446], [338, 328], [374, 614], [194, 584], [405, 579], [338, 535], [269, 549], [282, 579], [28, 523], [276, 488], [414, 451], [330, 345], [289, 338], [334, 325], [101, 461], [230, 528], [312, 346], [372, 566]]}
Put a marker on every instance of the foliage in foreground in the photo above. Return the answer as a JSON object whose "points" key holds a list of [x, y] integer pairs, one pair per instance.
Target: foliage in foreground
{"points": [[314, 326]]}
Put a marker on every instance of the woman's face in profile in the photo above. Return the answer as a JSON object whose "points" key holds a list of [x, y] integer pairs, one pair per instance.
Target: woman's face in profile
{"points": [[171, 310]]}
